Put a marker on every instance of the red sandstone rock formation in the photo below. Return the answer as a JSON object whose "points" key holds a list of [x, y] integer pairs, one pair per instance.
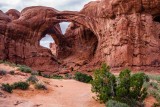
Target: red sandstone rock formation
{"points": [[118, 32], [53, 48]]}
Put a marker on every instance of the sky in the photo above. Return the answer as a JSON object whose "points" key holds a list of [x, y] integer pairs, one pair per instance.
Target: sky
{"points": [[74, 5]]}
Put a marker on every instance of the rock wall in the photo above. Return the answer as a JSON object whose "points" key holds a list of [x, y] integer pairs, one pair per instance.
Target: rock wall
{"points": [[124, 34], [20, 35], [132, 41]]}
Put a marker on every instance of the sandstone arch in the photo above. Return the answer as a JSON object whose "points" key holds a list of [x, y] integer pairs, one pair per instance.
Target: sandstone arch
{"points": [[122, 34], [26, 30]]}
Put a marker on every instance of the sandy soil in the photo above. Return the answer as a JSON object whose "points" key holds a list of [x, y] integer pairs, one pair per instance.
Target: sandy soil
{"points": [[150, 101], [60, 93]]}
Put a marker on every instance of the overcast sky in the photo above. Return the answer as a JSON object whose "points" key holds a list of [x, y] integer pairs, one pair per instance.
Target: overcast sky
{"points": [[74, 5]]}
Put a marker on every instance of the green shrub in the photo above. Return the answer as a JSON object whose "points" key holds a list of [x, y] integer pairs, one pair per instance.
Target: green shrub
{"points": [[126, 88], [32, 79], [104, 84], [57, 77], [3, 72], [11, 72], [112, 103], [123, 86], [7, 87], [83, 77], [137, 91], [24, 69], [40, 86], [46, 75], [20, 85]]}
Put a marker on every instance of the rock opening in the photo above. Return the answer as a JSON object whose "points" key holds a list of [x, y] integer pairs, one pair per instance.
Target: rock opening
{"points": [[157, 19], [64, 26], [46, 41]]}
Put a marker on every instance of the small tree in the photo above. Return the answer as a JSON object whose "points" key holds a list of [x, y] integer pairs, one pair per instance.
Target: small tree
{"points": [[137, 92], [126, 88], [104, 83], [123, 85]]}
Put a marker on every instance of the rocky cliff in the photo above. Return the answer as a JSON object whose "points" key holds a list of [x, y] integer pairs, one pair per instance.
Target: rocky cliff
{"points": [[124, 34]]}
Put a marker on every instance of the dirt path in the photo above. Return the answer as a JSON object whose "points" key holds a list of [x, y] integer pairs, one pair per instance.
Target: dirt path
{"points": [[60, 93]]}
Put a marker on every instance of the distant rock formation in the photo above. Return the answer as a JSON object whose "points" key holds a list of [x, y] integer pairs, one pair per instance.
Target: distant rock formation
{"points": [[124, 34], [53, 48]]}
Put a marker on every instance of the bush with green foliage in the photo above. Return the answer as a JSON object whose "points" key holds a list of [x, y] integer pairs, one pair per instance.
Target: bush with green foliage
{"points": [[56, 77], [123, 84], [3, 72], [7, 87], [33, 79], [82, 77], [112, 103], [20, 85], [40, 86], [137, 91], [130, 87], [24, 69], [104, 84], [126, 88], [46, 76]]}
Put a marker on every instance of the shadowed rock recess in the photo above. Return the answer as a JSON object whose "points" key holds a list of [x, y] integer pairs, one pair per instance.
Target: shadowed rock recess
{"points": [[122, 33]]}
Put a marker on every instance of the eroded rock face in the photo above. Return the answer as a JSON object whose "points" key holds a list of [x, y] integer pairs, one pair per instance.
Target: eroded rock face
{"points": [[20, 38], [124, 34]]}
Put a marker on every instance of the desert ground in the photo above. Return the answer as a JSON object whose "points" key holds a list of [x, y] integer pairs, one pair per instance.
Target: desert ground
{"points": [[60, 93]]}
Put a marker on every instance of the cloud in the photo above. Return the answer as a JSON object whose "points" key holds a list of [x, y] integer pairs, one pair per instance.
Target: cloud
{"points": [[45, 42], [57, 4]]}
